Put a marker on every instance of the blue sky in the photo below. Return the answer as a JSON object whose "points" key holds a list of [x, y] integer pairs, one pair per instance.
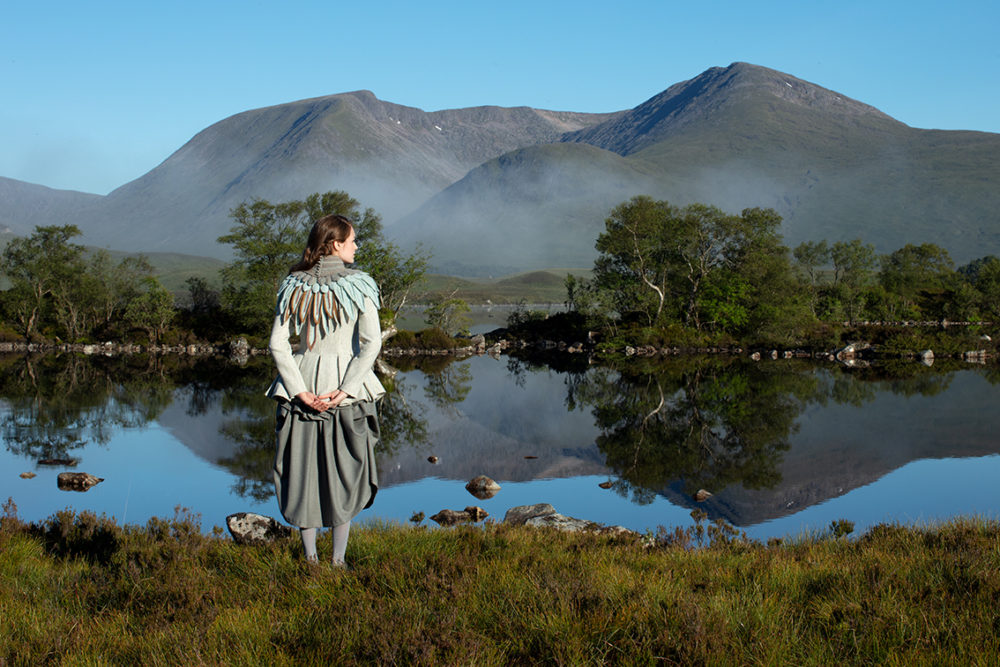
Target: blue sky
{"points": [[95, 94]]}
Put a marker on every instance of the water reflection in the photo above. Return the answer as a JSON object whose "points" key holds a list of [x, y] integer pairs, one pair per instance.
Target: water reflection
{"points": [[709, 424], [60, 403], [767, 439]]}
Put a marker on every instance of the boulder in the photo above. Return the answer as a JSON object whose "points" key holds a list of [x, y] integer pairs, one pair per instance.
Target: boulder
{"points": [[562, 522], [250, 528], [476, 513], [77, 481], [452, 517], [482, 487], [702, 495], [849, 352], [517, 516], [239, 350], [432, 459]]}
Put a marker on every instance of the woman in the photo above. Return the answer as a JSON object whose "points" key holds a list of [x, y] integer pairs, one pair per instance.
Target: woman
{"points": [[327, 427]]}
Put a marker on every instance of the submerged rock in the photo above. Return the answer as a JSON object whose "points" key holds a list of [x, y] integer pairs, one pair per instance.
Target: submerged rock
{"points": [[77, 481], [250, 528], [482, 487], [451, 517]]}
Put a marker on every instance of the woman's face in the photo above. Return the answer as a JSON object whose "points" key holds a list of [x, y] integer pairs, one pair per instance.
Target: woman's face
{"points": [[345, 250]]}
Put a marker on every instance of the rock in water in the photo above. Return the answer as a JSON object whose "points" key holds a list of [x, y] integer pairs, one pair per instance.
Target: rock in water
{"points": [[606, 485], [517, 516], [482, 487], [702, 495], [476, 513], [77, 481], [27, 475], [451, 517], [250, 528]]}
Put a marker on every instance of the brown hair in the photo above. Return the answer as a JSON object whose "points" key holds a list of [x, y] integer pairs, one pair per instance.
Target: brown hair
{"points": [[324, 232]]}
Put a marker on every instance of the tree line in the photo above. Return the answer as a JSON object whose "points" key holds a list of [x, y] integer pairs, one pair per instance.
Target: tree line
{"points": [[691, 268], [59, 290], [705, 270]]}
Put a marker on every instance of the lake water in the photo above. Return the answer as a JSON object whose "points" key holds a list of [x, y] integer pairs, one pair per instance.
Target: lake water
{"points": [[785, 447]]}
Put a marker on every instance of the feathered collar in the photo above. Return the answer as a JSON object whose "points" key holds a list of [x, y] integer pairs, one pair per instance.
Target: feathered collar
{"points": [[324, 296]]}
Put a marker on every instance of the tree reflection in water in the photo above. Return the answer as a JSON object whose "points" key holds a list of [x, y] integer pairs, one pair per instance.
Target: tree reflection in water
{"points": [[709, 423], [58, 403], [251, 427]]}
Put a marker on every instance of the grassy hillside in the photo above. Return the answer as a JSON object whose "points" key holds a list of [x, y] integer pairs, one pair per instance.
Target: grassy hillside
{"points": [[544, 286], [173, 269]]}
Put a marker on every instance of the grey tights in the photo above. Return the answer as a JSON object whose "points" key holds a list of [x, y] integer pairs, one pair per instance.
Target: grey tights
{"points": [[340, 534]]}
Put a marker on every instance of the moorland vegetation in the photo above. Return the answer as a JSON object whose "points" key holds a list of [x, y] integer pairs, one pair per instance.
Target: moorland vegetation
{"points": [[84, 589]]}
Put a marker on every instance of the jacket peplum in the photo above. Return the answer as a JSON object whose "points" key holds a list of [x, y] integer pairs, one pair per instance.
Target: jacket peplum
{"points": [[334, 311]]}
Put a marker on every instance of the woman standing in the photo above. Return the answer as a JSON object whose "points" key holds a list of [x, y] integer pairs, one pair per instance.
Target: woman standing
{"points": [[327, 427]]}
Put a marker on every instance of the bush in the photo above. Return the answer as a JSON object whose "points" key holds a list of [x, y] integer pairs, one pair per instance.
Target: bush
{"points": [[435, 339]]}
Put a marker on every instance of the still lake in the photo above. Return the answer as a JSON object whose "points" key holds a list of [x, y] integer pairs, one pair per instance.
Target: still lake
{"points": [[785, 447]]}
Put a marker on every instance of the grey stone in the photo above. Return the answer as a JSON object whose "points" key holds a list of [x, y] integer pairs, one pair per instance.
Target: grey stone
{"points": [[250, 528], [517, 516], [563, 523]]}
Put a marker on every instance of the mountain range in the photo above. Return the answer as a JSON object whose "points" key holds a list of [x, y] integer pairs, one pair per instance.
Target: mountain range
{"points": [[492, 190]]}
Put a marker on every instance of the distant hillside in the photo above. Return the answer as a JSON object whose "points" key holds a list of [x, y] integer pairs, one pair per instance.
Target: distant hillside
{"points": [[389, 157], [24, 206], [734, 137], [493, 191]]}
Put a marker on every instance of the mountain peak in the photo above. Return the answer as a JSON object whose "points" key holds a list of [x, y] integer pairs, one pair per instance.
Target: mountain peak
{"points": [[722, 96]]}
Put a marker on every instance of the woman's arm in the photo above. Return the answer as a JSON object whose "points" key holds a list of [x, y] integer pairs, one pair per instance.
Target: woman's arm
{"points": [[281, 350], [370, 342]]}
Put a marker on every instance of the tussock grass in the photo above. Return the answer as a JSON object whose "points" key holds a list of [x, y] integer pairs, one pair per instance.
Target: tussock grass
{"points": [[79, 588]]}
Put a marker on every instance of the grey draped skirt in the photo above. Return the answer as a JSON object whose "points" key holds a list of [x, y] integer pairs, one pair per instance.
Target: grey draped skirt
{"points": [[324, 467]]}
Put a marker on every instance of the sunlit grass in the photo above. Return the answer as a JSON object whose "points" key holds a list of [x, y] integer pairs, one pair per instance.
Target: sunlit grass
{"points": [[78, 588]]}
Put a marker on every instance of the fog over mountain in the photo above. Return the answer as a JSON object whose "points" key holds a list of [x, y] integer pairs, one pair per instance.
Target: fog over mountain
{"points": [[493, 190]]}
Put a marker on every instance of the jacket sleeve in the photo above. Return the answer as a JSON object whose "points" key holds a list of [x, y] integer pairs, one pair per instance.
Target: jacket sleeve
{"points": [[281, 350], [369, 343]]}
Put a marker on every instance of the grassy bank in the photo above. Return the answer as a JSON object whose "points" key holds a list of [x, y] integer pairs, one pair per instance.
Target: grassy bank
{"points": [[84, 589]]}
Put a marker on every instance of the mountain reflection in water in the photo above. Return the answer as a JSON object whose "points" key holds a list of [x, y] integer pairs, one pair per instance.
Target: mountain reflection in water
{"points": [[769, 440]]}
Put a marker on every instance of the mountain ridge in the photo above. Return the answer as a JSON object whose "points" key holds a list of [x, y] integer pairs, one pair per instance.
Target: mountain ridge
{"points": [[466, 182]]}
